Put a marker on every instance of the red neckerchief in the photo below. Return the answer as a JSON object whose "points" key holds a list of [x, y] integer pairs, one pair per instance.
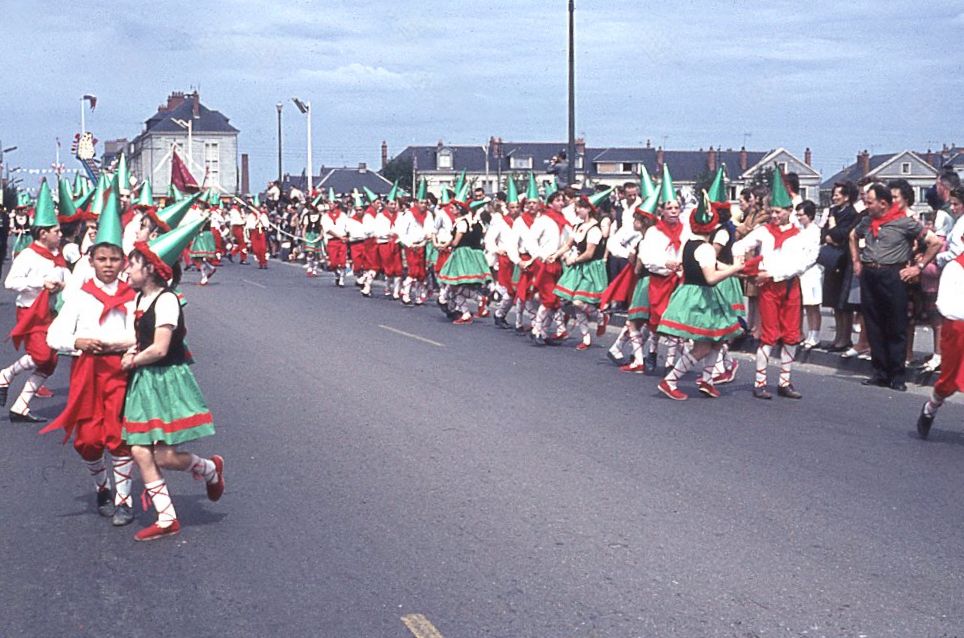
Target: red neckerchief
{"points": [[557, 217], [895, 212], [447, 209], [123, 295], [674, 233], [418, 215], [525, 218], [334, 213], [391, 218], [780, 236], [960, 260], [58, 259], [370, 211]]}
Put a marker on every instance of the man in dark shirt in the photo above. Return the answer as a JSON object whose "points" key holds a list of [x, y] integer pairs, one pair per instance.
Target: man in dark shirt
{"points": [[882, 248]]}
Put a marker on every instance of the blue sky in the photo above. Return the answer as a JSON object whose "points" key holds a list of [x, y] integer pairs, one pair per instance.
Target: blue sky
{"points": [[837, 77]]}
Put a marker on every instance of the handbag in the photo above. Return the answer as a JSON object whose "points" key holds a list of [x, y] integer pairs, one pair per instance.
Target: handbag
{"points": [[830, 257]]}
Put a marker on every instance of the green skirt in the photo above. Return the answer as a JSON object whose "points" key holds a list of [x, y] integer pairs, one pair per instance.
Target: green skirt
{"points": [[164, 405], [203, 246], [312, 241], [639, 305], [701, 313], [732, 290], [465, 267], [21, 243], [431, 253], [584, 282]]}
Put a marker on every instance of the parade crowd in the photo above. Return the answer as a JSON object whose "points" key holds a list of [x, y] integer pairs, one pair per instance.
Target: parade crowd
{"points": [[97, 274]]}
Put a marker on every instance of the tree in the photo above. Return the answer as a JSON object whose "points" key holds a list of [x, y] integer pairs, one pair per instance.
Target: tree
{"points": [[399, 169], [762, 177]]}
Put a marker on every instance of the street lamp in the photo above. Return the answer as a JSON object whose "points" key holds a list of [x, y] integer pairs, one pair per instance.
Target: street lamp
{"points": [[278, 106], [189, 125], [305, 108], [571, 147]]}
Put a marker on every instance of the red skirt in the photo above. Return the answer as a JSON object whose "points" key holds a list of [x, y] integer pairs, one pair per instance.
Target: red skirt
{"points": [[415, 258], [661, 288], [952, 359]]}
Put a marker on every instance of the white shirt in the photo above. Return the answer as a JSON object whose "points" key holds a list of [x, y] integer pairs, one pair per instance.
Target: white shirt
{"points": [[955, 243], [950, 301], [355, 228], [28, 273], [383, 228], [330, 228], [234, 215], [656, 249], [545, 237], [166, 311], [786, 262], [443, 227], [411, 233], [79, 318]]}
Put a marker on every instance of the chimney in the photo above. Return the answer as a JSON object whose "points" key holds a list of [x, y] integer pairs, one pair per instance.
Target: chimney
{"points": [[808, 157], [580, 147], [496, 145], [362, 167], [929, 157], [384, 154], [648, 143], [864, 160], [245, 183], [174, 100], [439, 145], [659, 160], [196, 107], [711, 160], [744, 160]]}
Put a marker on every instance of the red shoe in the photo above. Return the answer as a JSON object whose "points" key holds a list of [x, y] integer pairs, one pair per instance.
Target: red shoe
{"points": [[708, 389], [562, 336], [672, 393], [727, 376], [582, 346], [638, 368], [463, 321], [44, 392], [601, 328], [216, 489], [155, 531], [482, 313]]}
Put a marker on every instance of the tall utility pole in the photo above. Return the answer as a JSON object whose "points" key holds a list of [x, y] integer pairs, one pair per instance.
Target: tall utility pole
{"points": [[305, 107], [571, 150], [278, 106]]}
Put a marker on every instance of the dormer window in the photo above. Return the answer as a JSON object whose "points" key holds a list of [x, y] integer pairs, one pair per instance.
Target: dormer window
{"points": [[444, 159], [518, 162], [905, 168]]}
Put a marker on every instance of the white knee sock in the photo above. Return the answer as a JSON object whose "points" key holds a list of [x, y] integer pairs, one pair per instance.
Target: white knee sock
{"points": [[762, 359], [23, 364], [123, 469], [933, 404], [617, 348], [98, 472], [636, 338], [22, 404], [161, 498], [787, 357], [203, 469], [683, 365]]}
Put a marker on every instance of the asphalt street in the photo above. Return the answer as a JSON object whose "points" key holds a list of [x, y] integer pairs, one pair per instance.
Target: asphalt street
{"points": [[381, 462]]}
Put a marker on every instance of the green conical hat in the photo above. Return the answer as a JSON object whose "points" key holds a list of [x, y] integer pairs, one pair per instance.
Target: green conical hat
{"points": [[532, 193], [370, 195], [358, 200], [717, 190], [422, 192], [173, 194], [779, 197], [393, 193], [667, 193], [331, 194], [45, 215], [460, 182], [551, 187], [111, 205], [23, 199], [477, 204], [79, 185], [97, 201], [213, 197], [172, 216], [446, 198], [650, 204], [169, 246], [65, 205], [511, 191], [109, 229], [146, 196], [703, 214], [84, 200], [597, 198], [317, 199], [646, 185], [463, 194], [123, 175], [257, 201]]}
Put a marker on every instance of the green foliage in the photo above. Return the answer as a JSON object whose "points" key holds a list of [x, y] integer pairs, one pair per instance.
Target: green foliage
{"points": [[400, 168]]}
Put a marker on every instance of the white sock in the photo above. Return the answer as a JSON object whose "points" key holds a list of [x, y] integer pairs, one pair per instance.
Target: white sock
{"points": [[161, 498], [685, 363], [98, 472], [636, 338], [22, 404], [621, 338], [762, 359], [787, 357], [203, 468], [23, 364], [123, 469]]}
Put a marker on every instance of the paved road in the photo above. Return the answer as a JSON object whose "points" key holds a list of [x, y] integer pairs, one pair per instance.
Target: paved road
{"points": [[381, 462]]}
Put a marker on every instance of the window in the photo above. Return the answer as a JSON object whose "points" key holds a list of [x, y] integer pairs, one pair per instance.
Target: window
{"points": [[212, 162], [803, 192], [519, 162], [444, 160], [783, 167], [579, 162], [628, 167], [905, 168]]}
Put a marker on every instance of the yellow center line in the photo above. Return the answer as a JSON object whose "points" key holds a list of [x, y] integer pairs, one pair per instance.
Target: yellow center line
{"points": [[420, 626], [411, 336]]}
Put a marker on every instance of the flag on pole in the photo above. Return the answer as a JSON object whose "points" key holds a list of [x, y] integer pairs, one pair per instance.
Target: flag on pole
{"points": [[92, 99], [181, 177]]}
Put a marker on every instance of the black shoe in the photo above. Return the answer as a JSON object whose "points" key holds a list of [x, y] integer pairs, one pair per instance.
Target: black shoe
{"points": [[924, 423], [105, 503], [4, 389], [762, 393], [787, 392], [540, 341], [836, 348], [650, 361], [616, 360], [898, 385], [520, 331], [16, 417], [877, 381], [123, 515]]}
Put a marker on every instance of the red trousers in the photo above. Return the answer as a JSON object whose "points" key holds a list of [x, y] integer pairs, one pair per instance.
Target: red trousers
{"points": [[95, 403], [390, 259], [546, 276], [359, 256], [781, 308], [952, 359], [371, 254], [415, 258], [35, 344], [337, 254], [259, 246], [503, 275], [218, 246], [240, 246]]}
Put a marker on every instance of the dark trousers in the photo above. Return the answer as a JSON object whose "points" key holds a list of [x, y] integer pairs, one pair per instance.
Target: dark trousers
{"points": [[883, 300]]}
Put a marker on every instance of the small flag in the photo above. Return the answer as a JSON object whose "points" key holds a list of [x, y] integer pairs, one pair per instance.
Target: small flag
{"points": [[92, 99]]}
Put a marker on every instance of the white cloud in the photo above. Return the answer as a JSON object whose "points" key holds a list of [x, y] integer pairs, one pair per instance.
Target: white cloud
{"points": [[361, 76]]}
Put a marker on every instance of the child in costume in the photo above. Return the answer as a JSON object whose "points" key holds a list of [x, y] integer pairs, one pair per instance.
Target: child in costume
{"points": [[164, 406], [97, 320], [466, 270]]}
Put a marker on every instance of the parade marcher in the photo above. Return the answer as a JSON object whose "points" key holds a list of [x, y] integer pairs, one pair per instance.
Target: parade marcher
{"points": [[584, 277], [334, 227], [257, 226], [548, 233], [466, 270], [20, 225], [699, 309], [777, 274], [441, 239], [36, 275], [96, 321], [881, 247], [386, 243], [371, 245], [661, 252], [414, 227], [502, 242], [311, 234], [950, 302], [164, 406], [236, 221], [524, 300], [357, 234]]}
